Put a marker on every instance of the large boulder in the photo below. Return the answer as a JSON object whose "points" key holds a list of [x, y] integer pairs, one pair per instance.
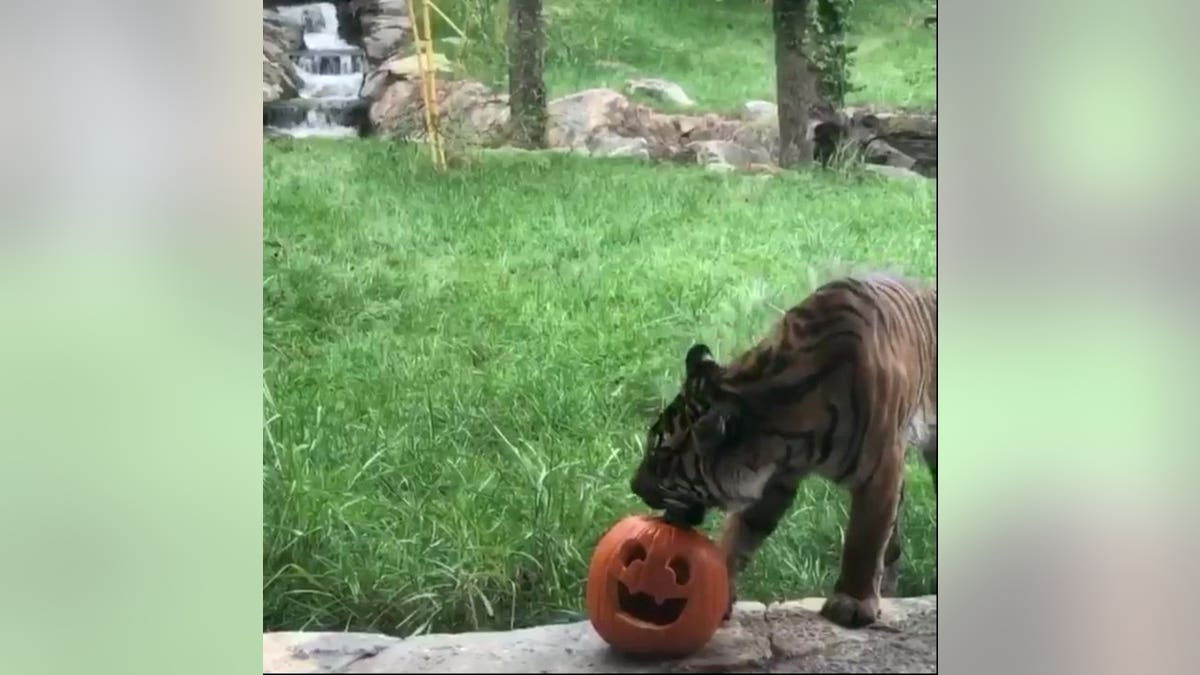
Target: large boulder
{"points": [[599, 118], [904, 140], [573, 120], [281, 36], [386, 27], [784, 637], [468, 111], [399, 68]]}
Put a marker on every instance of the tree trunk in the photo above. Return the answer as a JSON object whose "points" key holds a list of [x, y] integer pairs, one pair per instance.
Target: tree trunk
{"points": [[526, 87], [793, 81]]}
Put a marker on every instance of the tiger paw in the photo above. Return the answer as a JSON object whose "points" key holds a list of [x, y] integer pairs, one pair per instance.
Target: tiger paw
{"points": [[851, 612]]}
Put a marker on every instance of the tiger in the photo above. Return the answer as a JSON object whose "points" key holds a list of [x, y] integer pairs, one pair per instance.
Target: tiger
{"points": [[841, 386]]}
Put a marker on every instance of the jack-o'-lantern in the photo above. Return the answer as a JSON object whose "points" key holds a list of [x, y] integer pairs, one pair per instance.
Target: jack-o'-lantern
{"points": [[654, 588]]}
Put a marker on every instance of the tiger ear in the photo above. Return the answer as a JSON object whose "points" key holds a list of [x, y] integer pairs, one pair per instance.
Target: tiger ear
{"points": [[703, 372], [699, 361]]}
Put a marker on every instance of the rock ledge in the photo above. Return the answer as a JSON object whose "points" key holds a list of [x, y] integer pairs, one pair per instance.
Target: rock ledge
{"points": [[781, 637]]}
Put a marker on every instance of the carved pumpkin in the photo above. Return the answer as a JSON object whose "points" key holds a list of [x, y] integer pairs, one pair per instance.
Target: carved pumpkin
{"points": [[656, 589]]}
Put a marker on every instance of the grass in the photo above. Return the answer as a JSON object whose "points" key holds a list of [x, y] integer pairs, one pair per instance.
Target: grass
{"points": [[459, 368], [720, 51]]}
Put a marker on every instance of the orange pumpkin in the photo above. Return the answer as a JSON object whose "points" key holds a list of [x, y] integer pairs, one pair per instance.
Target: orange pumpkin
{"points": [[656, 589]]}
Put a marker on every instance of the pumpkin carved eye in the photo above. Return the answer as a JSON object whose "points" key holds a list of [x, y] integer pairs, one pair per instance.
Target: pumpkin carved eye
{"points": [[680, 567], [633, 551]]}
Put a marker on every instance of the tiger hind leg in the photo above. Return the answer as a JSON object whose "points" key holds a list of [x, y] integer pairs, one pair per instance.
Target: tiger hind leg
{"points": [[893, 553], [873, 509], [929, 451]]}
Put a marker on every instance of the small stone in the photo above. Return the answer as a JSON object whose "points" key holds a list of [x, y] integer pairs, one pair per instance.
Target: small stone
{"points": [[896, 172], [663, 90], [728, 152], [611, 145], [759, 110], [409, 67]]}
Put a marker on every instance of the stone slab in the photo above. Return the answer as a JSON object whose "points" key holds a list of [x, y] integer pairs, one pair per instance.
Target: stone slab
{"points": [[782, 637]]}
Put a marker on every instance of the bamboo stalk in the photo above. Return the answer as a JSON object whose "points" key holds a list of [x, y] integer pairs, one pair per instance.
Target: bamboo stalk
{"points": [[438, 152], [445, 18], [428, 92]]}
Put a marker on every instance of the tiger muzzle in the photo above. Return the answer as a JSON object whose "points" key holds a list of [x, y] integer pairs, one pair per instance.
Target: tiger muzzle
{"points": [[648, 492]]}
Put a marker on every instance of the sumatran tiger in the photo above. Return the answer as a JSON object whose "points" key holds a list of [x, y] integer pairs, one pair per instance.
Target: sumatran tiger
{"points": [[845, 382]]}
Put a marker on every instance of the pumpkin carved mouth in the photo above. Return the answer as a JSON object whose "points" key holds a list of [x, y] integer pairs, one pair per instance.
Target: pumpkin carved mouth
{"points": [[643, 606]]}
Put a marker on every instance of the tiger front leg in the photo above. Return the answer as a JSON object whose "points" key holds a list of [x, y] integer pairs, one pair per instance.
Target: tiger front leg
{"points": [[746, 530], [873, 511]]}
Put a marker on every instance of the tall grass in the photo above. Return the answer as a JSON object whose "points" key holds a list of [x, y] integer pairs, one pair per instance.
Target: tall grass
{"points": [[459, 368]]}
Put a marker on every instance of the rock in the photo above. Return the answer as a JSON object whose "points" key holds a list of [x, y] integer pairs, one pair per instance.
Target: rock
{"points": [[604, 123], [760, 136], [881, 152], [760, 110], [468, 111], [787, 637], [319, 652], [612, 145], [905, 640], [473, 113], [280, 37], [375, 83], [398, 68], [571, 120], [667, 136], [385, 27], [902, 139], [397, 110], [728, 153], [889, 123], [334, 112], [409, 66], [599, 116], [286, 34], [278, 83], [894, 172], [662, 90]]}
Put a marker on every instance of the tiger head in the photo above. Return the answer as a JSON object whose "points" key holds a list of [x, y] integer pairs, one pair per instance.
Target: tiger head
{"points": [[685, 445]]}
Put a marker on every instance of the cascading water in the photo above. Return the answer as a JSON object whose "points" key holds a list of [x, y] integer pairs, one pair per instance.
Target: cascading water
{"points": [[331, 72]]}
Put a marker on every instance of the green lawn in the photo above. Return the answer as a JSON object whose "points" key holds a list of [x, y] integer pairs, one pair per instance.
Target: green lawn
{"points": [[720, 51], [459, 368]]}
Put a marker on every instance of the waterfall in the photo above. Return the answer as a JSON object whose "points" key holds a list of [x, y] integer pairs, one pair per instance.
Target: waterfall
{"points": [[331, 71]]}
